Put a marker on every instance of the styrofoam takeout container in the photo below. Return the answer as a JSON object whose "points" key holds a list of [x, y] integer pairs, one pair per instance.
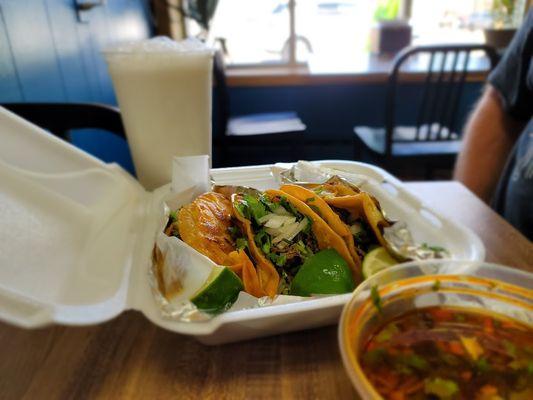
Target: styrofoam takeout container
{"points": [[76, 237]]}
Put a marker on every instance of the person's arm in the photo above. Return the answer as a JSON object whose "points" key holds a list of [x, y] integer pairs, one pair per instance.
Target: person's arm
{"points": [[488, 139]]}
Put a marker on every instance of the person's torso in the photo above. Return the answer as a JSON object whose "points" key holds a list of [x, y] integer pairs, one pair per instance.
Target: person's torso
{"points": [[519, 194]]}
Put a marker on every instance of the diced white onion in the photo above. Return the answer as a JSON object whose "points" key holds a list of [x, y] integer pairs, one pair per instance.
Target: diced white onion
{"points": [[278, 221], [280, 210], [356, 228], [281, 245], [290, 231], [264, 219]]}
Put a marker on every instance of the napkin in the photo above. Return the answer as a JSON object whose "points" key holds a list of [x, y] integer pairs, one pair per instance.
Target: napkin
{"points": [[191, 174]]}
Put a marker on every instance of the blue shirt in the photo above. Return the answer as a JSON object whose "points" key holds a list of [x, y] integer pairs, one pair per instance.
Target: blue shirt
{"points": [[513, 79]]}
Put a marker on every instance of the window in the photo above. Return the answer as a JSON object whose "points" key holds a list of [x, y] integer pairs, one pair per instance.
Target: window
{"points": [[291, 32], [253, 31], [332, 29], [449, 21]]}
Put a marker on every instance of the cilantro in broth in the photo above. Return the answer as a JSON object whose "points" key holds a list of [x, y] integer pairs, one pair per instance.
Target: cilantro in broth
{"points": [[376, 298]]}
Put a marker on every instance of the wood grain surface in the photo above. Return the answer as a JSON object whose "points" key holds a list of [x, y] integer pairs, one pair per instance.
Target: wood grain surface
{"points": [[129, 357]]}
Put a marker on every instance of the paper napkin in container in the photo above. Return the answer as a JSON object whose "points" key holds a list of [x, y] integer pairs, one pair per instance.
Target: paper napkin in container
{"points": [[191, 173]]}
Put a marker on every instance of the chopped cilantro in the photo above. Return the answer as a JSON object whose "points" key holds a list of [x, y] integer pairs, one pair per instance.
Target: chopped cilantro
{"points": [[310, 199], [441, 388], [288, 206], [374, 357], [257, 209], [416, 362], [510, 348], [267, 203], [173, 216], [303, 249], [243, 209], [284, 283], [279, 260], [482, 365], [241, 243], [376, 298], [233, 231], [387, 333], [262, 240], [308, 227], [282, 259], [436, 249]]}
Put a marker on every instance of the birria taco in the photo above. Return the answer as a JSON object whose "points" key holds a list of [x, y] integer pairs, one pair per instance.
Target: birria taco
{"points": [[208, 225], [359, 212], [283, 232]]}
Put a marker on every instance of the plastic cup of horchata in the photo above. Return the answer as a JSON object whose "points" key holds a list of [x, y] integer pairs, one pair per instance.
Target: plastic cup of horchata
{"points": [[163, 88]]}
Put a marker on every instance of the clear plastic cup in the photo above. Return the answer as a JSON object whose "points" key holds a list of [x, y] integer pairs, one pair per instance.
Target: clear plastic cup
{"points": [[163, 90], [405, 287]]}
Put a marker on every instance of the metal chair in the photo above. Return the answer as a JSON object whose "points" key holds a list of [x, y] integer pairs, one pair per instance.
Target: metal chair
{"points": [[61, 118], [434, 140], [242, 133]]}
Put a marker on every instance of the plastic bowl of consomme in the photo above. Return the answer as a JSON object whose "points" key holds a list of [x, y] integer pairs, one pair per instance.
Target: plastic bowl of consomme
{"points": [[441, 330]]}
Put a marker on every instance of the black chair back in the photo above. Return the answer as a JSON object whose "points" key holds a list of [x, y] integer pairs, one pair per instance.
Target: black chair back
{"points": [[222, 94], [444, 80], [61, 118]]}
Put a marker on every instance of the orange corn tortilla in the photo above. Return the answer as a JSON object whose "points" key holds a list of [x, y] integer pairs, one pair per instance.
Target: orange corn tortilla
{"points": [[363, 205], [335, 186], [239, 262], [319, 205], [325, 236], [375, 218], [267, 274], [337, 193], [204, 225]]}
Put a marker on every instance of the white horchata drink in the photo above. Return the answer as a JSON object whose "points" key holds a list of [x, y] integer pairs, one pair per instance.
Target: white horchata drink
{"points": [[163, 90]]}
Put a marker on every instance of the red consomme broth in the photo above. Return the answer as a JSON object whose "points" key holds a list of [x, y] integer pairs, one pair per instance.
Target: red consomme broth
{"points": [[450, 353]]}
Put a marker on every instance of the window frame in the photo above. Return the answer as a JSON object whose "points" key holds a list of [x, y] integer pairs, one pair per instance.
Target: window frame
{"points": [[292, 63], [296, 68]]}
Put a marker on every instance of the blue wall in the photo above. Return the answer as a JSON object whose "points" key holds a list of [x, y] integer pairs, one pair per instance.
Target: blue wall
{"points": [[48, 55]]}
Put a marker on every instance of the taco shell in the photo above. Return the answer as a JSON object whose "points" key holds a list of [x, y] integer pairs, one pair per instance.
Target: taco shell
{"points": [[325, 236], [321, 207], [267, 276]]}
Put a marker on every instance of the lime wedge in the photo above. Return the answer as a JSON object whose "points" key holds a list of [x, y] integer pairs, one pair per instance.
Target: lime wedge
{"points": [[377, 260], [325, 272], [219, 291]]}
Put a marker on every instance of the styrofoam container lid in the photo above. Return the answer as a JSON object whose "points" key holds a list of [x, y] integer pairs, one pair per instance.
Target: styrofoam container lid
{"points": [[65, 238]]}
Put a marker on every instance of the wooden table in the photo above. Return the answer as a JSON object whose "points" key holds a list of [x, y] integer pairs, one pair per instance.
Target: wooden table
{"points": [[131, 358]]}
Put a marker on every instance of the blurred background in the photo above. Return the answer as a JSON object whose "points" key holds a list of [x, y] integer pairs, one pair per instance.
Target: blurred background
{"points": [[326, 63]]}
